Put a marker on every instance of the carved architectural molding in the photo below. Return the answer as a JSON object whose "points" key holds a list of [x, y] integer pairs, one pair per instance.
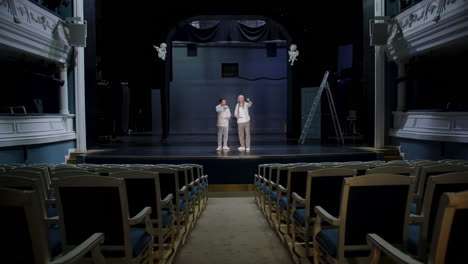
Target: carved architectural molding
{"points": [[428, 24], [18, 130], [32, 29], [436, 126]]}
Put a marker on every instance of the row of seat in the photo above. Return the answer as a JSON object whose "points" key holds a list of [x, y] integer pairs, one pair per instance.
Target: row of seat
{"points": [[324, 211], [135, 213]]}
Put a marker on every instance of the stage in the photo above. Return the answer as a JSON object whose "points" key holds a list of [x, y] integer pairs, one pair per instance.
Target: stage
{"points": [[225, 167]]}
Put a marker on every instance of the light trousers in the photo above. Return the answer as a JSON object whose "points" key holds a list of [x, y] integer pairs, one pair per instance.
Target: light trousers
{"points": [[223, 132], [244, 131]]}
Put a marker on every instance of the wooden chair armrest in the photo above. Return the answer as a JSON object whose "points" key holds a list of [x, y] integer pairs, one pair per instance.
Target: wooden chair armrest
{"points": [[282, 189], [298, 198], [168, 199], [140, 217], [52, 220], [322, 213], [183, 189], [379, 245], [416, 219], [89, 245]]}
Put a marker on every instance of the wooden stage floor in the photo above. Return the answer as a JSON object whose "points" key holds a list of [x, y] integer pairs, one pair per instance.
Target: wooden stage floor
{"points": [[225, 167]]}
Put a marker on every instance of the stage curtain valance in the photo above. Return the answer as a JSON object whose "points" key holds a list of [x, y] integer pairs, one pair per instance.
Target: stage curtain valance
{"points": [[228, 30]]}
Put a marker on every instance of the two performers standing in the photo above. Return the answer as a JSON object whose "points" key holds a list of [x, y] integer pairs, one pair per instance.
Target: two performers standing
{"points": [[243, 123]]}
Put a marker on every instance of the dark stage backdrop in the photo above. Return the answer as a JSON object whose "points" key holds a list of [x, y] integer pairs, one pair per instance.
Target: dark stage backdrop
{"points": [[198, 85]]}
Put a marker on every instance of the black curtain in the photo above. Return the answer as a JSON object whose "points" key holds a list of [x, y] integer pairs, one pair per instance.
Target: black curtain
{"points": [[228, 30]]}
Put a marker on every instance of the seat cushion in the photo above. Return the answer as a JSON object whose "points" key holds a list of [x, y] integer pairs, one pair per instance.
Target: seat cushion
{"points": [[52, 212], [203, 186], [284, 203], [182, 204], [414, 208], [300, 216], [328, 240], [191, 196], [274, 196], [166, 218], [413, 238], [266, 189], [139, 239], [55, 242], [196, 190]]}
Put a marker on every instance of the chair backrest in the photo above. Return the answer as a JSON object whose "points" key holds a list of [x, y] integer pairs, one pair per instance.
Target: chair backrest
{"points": [[23, 236], [28, 174], [324, 188], [433, 170], [261, 169], [450, 239], [64, 174], [110, 170], [26, 184], [93, 204], [168, 182], [436, 186], [196, 170], [143, 189], [297, 180], [44, 171], [272, 171], [401, 170], [360, 168], [281, 176], [374, 204]]}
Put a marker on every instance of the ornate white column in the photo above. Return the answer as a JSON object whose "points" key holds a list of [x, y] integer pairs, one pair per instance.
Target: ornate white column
{"points": [[379, 84], [401, 86], [64, 90], [80, 103]]}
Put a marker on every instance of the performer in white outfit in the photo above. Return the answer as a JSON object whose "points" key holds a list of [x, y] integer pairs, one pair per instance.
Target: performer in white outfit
{"points": [[243, 122], [224, 115]]}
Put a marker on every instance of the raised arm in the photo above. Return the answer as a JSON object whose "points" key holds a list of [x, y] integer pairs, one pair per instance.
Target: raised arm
{"points": [[219, 109]]}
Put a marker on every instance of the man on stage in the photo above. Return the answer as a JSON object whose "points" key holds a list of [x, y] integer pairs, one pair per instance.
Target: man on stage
{"points": [[224, 115], [243, 122]]}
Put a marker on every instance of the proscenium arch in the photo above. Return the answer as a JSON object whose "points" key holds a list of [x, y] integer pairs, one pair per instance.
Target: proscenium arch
{"points": [[165, 92]]}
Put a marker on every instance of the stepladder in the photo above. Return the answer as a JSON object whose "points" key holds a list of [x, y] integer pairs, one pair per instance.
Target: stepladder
{"points": [[324, 86]]}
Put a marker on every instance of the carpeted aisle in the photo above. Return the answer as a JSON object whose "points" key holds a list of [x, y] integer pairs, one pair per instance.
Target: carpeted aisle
{"points": [[232, 230]]}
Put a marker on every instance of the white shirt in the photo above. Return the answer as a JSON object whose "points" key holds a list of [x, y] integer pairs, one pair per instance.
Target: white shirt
{"points": [[243, 113], [223, 115]]}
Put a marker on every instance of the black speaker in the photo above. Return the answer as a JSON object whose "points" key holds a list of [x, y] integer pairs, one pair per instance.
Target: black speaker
{"points": [[271, 49], [192, 50]]}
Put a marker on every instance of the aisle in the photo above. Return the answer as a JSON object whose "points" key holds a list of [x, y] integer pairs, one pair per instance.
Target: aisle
{"points": [[232, 230]]}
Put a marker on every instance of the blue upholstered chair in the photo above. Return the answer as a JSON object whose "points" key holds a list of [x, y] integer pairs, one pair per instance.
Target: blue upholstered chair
{"points": [[271, 172], [369, 204], [421, 229], [295, 183], [200, 183], [271, 192], [258, 181], [89, 204], [425, 172], [169, 183], [25, 238], [154, 189], [449, 243], [323, 188]]}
